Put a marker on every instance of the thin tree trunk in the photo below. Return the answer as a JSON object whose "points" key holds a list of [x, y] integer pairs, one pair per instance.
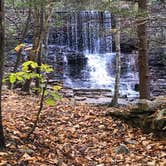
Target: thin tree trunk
{"points": [[45, 42], [143, 57], [39, 56], [2, 45], [46, 30], [39, 59], [41, 31], [114, 101], [23, 35], [35, 47]]}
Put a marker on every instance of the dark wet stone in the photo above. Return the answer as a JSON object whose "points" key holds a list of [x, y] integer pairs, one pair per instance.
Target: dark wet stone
{"points": [[122, 149]]}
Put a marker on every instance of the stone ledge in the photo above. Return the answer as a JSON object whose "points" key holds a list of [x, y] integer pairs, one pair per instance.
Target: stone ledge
{"points": [[150, 116]]}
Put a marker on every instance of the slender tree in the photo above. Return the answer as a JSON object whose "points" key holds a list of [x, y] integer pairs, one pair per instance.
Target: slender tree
{"points": [[23, 35], [114, 101], [2, 45], [35, 54], [143, 57], [40, 34]]}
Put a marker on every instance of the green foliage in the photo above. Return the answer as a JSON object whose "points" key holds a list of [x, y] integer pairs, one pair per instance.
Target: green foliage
{"points": [[46, 68], [27, 66], [50, 102], [52, 95], [28, 72]]}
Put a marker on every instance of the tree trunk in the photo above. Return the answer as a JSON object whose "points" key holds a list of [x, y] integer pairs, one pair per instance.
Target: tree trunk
{"points": [[39, 55], [41, 33], [144, 83], [46, 30], [23, 35], [2, 45], [36, 45], [114, 101], [45, 42]]}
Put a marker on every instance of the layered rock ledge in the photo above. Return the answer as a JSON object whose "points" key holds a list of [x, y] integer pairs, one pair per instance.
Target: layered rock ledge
{"points": [[148, 115]]}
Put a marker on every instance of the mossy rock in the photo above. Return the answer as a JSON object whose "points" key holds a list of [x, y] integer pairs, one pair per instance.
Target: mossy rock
{"points": [[144, 105], [160, 120], [147, 123]]}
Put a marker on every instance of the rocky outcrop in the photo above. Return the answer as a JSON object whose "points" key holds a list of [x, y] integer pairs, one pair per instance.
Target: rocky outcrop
{"points": [[150, 116]]}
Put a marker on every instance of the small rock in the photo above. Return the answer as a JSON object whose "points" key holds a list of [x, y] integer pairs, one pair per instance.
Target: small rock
{"points": [[122, 149]]}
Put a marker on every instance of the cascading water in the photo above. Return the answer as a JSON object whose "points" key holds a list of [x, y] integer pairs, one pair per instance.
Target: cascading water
{"points": [[88, 59], [98, 69]]}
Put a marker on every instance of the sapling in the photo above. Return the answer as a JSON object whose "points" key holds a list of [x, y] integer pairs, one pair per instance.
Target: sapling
{"points": [[26, 74]]}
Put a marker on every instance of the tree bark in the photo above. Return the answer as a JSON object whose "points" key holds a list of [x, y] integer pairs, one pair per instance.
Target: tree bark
{"points": [[40, 52], [23, 35], [2, 45], [143, 58], [114, 101], [36, 44], [40, 33]]}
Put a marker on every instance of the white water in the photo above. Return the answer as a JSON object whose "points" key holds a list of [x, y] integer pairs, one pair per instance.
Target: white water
{"points": [[98, 70], [99, 66]]}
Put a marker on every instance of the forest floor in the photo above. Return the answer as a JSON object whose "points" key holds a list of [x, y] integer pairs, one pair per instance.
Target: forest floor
{"points": [[69, 135]]}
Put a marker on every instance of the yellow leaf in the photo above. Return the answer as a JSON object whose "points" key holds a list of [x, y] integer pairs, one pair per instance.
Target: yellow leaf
{"points": [[57, 87], [17, 49]]}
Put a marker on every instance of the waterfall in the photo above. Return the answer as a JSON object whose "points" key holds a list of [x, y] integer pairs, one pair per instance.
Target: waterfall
{"points": [[98, 65], [85, 31], [89, 58]]}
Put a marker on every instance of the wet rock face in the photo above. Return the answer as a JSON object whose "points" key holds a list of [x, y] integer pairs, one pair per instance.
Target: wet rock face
{"points": [[76, 66], [157, 62], [78, 34], [81, 30], [158, 74]]}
